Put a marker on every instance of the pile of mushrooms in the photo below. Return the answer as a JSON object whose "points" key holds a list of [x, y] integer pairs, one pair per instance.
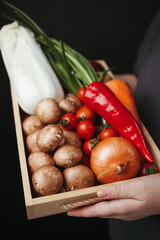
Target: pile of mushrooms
{"points": [[55, 154]]}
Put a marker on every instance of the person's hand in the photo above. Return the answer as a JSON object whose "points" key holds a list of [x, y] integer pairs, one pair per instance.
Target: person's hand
{"points": [[127, 201]]}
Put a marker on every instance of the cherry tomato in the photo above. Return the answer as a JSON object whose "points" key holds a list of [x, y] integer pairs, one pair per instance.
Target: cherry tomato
{"points": [[108, 132], [148, 169], [81, 92], [89, 145], [85, 113], [85, 161], [85, 129], [68, 121]]}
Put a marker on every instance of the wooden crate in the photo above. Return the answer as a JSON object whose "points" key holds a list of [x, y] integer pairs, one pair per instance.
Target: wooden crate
{"points": [[37, 207]]}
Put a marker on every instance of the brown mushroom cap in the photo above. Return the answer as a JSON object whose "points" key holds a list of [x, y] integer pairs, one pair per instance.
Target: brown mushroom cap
{"points": [[31, 142], [72, 137], [78, 177], [74, 99], [47, 110], [49, 137], [70, 104], [47, 180], [31, 124], [67, 106], [38, 159], [68, 155]]}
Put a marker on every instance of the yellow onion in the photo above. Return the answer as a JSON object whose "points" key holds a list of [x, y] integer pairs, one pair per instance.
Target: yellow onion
{"points": [[114, 159]]}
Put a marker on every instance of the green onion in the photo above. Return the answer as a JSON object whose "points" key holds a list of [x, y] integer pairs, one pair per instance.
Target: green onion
{"points": [[72, 68]]}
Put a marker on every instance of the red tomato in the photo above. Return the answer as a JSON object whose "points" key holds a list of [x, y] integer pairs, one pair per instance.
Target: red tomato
{"points": [[81, 92], [68, 121], [85, 161], [89, 145], [85, 129], [108, 132], [148, 169], [85, 113]]}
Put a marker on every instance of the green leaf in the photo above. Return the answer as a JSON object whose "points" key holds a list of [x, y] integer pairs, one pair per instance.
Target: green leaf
{"points": [[150, 170]]}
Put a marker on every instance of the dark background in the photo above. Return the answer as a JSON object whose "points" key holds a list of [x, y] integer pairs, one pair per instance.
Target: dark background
{"points": [[110, 30]]}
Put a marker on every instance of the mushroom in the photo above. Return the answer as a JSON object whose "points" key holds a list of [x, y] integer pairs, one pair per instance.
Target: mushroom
{"points": [[74, 99], [47, 180], [47, 110], [38, 159], [49, 137], [68, 155], [31, 142], [70, 104], [72, 137], [31, 124], [78, 177]]}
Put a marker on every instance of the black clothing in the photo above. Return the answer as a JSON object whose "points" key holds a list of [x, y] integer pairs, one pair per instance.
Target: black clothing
{"points": [[147, 68], [147, 96]]}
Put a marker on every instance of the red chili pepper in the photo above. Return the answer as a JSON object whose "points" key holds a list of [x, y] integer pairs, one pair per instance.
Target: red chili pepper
{"points": [[101, 100]]}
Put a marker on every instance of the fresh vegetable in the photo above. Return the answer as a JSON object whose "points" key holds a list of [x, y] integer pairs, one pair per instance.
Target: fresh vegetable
{"points": [[70, 104], [31, 141], [81, 92], [49, 137], [148, 169], [30, 124], [47, 180], [85, 113], [47, 110], [29, 71], [89, 145], [74, 100], [68, 121], [72, 69], [85, 129], [38, 159], [103, 102], [78, 177], [108, 132], [67, 156], [125, 95], [67, 106], [73, 138], [114, 159], [62, 142]]}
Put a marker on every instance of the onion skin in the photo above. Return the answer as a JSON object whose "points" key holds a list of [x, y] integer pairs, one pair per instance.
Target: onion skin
{"points": [[114, 159]]}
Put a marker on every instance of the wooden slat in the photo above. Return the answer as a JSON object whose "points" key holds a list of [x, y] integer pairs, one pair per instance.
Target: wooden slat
{"points": [[21, 150]]}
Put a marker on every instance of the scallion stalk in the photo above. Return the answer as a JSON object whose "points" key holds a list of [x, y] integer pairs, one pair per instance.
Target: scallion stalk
{"points": [[71, 67]]}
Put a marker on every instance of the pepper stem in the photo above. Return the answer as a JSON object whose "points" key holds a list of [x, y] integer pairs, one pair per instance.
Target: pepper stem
{"points": [[121, 168]]}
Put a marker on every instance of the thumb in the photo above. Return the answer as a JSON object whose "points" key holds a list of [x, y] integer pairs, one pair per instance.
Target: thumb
{"points": [[117, 191]]}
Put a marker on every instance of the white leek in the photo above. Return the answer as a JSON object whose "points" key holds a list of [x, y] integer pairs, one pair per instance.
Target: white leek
{"points": [[29, 71]]}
